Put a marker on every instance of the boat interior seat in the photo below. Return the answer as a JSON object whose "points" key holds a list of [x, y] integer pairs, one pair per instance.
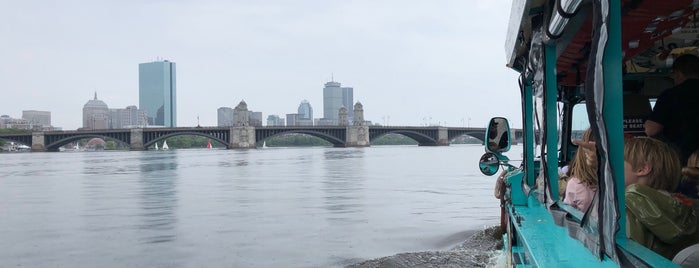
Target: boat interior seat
{"points": [[688, 257], [636, 109]]}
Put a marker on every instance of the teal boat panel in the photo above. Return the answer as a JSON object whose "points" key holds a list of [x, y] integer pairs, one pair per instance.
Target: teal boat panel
{"points": [[537, 232]]}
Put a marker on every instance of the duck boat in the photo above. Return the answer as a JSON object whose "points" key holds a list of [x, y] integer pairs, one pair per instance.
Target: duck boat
{"points": [[596, 64]]}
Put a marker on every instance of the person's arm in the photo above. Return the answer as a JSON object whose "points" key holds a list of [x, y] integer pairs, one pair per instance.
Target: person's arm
{"points": [[662, 111], [660, 213], [652, 128]]}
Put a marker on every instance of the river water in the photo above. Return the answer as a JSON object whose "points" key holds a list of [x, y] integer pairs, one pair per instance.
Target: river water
{"points": [[271, 207]]}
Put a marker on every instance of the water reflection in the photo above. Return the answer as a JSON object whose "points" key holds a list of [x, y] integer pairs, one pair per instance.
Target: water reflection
{"points": [[343, 183], [158, 197]]}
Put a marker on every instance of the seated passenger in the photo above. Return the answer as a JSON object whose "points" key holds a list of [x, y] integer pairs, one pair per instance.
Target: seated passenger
{"points": [[563, 177], [582, 185], [689, 185], [657, 219]]}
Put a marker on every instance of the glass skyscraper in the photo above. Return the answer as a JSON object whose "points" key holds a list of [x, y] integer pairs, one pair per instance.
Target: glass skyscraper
{"points": [[334, 97], [157, 92], [305, 110]]}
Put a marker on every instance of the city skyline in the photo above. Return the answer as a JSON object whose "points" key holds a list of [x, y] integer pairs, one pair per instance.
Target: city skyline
{"points": [[410, 60]]}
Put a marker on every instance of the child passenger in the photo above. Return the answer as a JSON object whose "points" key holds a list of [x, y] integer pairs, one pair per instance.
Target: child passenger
{"points": [[657, 219], [689, 185], [582, 185]]}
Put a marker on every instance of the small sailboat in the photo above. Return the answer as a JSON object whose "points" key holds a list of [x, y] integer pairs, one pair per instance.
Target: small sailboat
{"points": [[208, 145], [165, 147], [264, 144], [77, 146], [156, 146]]}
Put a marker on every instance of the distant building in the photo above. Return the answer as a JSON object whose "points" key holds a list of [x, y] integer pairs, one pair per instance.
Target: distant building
{"points": [[95, 114], [334, 97], [8, 122], [274, 120], [38, 120], [225, 117], [342, 115], [305, 112], [37, 117], [130, 117], [292, 119], [255, 118], [157, 92], [326, 122]]}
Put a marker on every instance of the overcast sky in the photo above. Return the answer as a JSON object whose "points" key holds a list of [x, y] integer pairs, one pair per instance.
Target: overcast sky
{"points": [[409, 62]]}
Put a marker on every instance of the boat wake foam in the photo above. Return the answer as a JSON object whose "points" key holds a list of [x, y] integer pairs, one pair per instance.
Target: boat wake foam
{"points": [[482, 249]]}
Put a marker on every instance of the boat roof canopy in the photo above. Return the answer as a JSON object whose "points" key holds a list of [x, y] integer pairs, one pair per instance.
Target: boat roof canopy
{"points": [[651, 31]]}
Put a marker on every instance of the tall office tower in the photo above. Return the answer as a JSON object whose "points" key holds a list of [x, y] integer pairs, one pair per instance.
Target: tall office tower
{"points": [[348, 101], [157, 92], [225, 117], [305, 112], [38, 119], [334, 97], [95, 114], [130, 117]]}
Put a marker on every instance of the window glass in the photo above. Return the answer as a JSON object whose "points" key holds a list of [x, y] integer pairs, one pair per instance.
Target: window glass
{"points": [[579, 122]]}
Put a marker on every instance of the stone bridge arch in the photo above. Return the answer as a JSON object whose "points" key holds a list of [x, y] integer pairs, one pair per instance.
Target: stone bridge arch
{"points": [[19, 138], [478, 134], [54, 143], [336, 136], [161, 136], [423, 137]]}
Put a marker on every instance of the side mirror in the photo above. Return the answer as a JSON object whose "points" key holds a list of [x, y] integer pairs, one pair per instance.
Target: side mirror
{"points": [[498, 135], [489, 164]]}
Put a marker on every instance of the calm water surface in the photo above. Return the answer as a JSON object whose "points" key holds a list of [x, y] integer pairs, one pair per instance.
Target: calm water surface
{"points": [[272, 207]]}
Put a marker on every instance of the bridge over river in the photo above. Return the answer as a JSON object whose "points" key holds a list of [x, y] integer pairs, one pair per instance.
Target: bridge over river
{"points": [[248, 136]]}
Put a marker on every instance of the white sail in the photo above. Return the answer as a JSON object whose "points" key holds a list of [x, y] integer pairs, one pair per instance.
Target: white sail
{"points": [[264, 144], [165, 147], [156, 146]]}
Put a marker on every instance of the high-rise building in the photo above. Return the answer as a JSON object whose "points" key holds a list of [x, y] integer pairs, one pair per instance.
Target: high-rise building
{"points": [[348, 101], [95, 114], [225, 117], [305, 112], [39, 120], [157, 92], [334, 97]]}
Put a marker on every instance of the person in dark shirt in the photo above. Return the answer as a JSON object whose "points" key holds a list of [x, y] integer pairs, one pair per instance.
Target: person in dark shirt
{"points": [[675, 117]]}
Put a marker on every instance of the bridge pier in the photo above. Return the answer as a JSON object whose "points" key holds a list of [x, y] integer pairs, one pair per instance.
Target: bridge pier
{"points": [[442, 136], [242, 137], [357, 136], [38, 144], [137, 140]]}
